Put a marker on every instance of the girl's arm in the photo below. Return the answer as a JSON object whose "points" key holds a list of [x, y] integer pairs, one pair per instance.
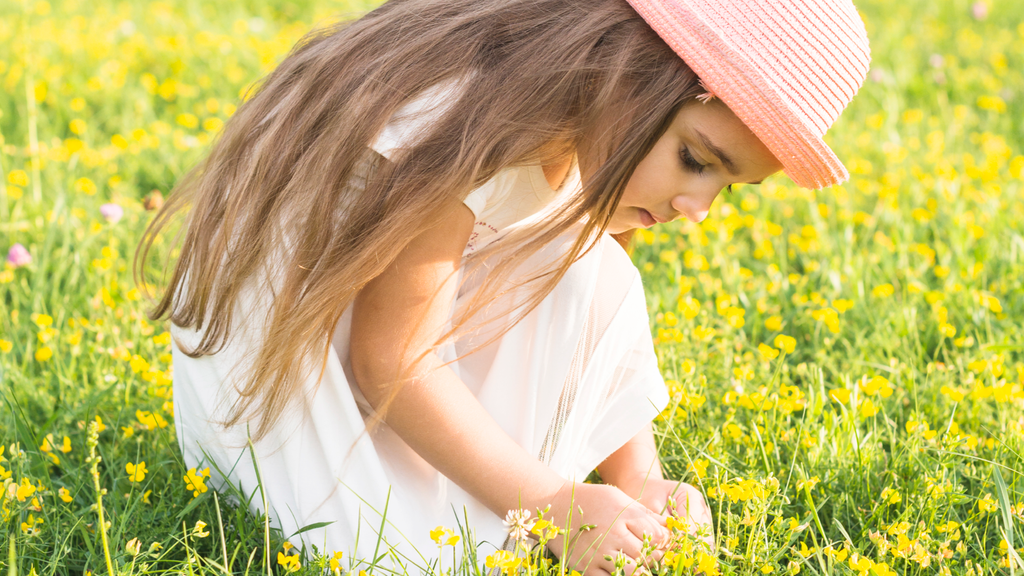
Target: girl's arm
{"points": [[634, 464], [398, 316], [636, 470]]}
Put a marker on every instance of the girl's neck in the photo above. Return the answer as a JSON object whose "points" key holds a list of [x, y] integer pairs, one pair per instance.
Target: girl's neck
{"points": [[556, 172]]}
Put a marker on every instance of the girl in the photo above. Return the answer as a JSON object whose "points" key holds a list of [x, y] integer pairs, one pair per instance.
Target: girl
{"points": [[397, 304]]}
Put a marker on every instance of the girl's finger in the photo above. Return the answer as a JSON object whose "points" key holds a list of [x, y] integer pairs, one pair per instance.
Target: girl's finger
{"points": [[650, 526], [641, 528]]}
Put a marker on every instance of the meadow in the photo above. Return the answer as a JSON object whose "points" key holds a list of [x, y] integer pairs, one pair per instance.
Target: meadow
{"points": [[846, 365]]}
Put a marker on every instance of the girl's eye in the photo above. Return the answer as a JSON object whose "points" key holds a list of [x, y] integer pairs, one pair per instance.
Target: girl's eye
{"points": [[690, 163]]}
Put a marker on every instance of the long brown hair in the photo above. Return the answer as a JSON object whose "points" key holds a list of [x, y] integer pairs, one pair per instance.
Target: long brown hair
{"points": [[539, 80]]}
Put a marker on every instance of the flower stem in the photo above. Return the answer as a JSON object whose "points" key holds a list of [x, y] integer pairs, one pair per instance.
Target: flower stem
{"points": [[94, 467]]}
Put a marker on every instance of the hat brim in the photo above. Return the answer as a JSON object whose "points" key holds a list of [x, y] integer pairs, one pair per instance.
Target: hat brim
{"points": [[804, 155]]}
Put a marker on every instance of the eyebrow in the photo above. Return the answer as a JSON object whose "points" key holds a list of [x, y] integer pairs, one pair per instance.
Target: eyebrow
{"points": [[726, 161]]}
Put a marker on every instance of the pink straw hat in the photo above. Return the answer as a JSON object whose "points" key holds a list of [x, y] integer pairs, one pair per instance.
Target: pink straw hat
{"points": [[786, 68]]}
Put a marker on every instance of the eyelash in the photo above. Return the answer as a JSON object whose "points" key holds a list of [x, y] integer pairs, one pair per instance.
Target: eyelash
{"points": [[690, 163]]}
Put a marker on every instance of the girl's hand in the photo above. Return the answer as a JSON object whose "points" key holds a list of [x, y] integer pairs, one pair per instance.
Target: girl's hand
{"points": [[620, 525], [690, 503]]}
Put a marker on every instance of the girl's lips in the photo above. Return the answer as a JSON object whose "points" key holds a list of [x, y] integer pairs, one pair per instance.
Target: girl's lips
{"points": [[646, 219]]}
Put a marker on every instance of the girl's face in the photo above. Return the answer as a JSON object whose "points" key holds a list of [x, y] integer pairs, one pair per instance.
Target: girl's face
{"points": [[705, 149]]}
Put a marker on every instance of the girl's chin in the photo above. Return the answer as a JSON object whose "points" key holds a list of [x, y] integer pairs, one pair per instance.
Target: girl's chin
{"points": [[630, 221]]}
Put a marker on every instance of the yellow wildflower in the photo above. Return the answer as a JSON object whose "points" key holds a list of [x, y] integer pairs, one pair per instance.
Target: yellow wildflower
{"points": [[335, 562], [136, 472], [883, 290], [785, 343], [196, 481], [841, 395], [767, 351], [867, 408]]}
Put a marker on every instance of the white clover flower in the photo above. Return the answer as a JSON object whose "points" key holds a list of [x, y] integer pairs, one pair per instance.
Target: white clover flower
{"points": [[518, 523]]}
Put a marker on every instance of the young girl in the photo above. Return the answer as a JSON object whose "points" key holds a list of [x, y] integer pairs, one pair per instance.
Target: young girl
{"points": [[397, 304]]}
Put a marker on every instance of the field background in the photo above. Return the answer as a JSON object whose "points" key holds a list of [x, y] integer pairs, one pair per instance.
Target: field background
{"points": [[885, 438]]}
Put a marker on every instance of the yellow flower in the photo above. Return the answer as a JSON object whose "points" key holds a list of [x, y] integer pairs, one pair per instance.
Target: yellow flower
{"points": [[43, 354], [138, 364], [842, 305], [877, 385], [64, 494], [289, 563], [187, 120], [808, 484], [200, 529], [77, 126], [954, 394], [785, 343], [136, 472], [151, 420], [17, 177], [773, 323], [841, 395], [703, 334], [890, 496], [688, 367], [5, 345], [85, 186], [706, 563], [767, 351], [699, 468], [867, 408], [335, 562], [24, 490], [992, 103], [196, 481], [100, 426], [503, 560], [987, 504], [213, 124], [883, 290], [30, 527], [689, 307], [676, 524]]}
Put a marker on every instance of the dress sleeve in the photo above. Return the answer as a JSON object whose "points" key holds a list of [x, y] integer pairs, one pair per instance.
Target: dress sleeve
{"points": [[408, 125]]}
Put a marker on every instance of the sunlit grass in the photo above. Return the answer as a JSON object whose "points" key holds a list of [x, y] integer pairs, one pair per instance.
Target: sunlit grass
{"points": [[845, 364]]}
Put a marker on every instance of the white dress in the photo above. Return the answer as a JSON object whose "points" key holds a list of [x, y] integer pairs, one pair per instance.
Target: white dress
{"points": [[571, 383]]}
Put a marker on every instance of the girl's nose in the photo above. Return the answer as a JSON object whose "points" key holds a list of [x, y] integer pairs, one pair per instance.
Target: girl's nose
{"points": [[694, 209]]}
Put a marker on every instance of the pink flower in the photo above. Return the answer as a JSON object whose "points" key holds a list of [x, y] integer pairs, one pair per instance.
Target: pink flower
{"points": [[111, 212], [18, 256], [979, 10]]}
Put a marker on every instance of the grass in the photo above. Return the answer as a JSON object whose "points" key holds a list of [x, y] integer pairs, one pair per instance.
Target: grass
{"points": [[846, 365]]}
